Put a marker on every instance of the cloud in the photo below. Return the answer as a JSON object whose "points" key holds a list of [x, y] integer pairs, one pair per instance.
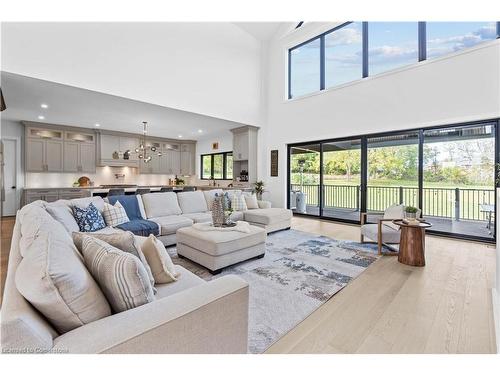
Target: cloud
{"points": [[344, 36], [459, 42]]}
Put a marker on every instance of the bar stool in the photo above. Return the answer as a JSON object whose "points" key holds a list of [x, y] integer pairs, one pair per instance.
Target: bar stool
{"points": [[188, 188], [166, 189], [118, 191], [142, 191]]}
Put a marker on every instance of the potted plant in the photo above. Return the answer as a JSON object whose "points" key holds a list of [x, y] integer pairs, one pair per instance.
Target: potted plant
{"points": [[411, 214], [258, 189]]}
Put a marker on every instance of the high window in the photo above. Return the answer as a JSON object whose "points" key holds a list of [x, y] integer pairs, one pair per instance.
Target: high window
{"points": [[355, 50], [217, 166]]}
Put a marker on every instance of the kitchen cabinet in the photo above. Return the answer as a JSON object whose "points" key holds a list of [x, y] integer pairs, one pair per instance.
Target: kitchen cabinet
{"points": [[113, 147], [240, 146], [52, 195], [187, 160], [245, 152], [79, 157], [44, 155]]}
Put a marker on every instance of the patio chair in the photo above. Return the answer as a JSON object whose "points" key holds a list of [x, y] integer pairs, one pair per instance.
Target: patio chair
{"points": [[384, 232]]}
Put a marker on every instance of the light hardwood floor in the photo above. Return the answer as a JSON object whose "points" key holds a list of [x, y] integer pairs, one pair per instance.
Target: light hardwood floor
{"points": [[444, 307]]}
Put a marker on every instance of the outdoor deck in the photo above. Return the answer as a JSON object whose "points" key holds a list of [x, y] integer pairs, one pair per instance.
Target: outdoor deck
{"points": [[475, 228]]}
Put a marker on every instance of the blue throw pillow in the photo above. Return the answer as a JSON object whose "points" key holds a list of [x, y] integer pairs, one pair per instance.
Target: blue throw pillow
{"points": [[88, 219]]}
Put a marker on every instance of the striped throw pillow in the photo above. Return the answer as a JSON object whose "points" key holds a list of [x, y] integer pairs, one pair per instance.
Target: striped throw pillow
{"points": [[121, 276], [114, 215], [238, 202]]}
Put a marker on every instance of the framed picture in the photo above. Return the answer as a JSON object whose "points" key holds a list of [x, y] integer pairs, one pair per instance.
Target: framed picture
{"points": [[215, 145], [274, 163]]}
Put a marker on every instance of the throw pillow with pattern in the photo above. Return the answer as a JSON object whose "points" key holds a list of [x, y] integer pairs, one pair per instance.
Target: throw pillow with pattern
{"points": [[114, 214], [88, 219], [238, 202]]}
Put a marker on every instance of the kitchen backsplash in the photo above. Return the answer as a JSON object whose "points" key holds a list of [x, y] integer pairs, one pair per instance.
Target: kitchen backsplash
{"points": [[103, 176]]}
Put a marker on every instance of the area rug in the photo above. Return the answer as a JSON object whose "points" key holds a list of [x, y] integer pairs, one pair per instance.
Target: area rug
{"points": [[299, 273]]}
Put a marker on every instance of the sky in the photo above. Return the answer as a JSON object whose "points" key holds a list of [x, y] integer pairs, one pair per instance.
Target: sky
{"points": [[390, 44]]}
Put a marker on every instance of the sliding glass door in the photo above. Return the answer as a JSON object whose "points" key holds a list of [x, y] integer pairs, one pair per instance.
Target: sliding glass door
{"points": [[342, 179], [305, 179], [392, 171], [448, 172], [459, 180]]}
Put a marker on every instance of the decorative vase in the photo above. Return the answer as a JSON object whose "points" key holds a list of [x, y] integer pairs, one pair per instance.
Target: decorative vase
{"points": [[411, 217], [218, 216]]}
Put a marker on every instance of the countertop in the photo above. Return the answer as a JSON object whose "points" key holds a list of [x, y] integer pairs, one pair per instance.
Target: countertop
{"points": [[101, 189]]}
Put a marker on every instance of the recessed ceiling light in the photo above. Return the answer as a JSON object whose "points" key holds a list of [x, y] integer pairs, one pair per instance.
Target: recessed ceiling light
{"points": [[41, 117], [179, 136], [44, 106], [97, 125], [200, 131]]}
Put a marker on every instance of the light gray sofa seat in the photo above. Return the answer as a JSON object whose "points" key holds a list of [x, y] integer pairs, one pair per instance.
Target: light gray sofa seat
{"points": [[184, 281], [200, 217], [389, 235], [192, 202], [272, 219], [170, 224], [188, 316]]}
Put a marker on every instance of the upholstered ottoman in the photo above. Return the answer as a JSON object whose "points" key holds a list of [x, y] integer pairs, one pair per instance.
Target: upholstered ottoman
{"points": [[215, 249], [271, 219]]}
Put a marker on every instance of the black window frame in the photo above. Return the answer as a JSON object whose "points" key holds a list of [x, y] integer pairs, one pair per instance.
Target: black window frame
{"points": [[224, 165], [421, 43], [364, 163]]}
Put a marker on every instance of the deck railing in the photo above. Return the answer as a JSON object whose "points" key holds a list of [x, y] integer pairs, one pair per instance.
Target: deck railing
{"points": [[453, 203]]}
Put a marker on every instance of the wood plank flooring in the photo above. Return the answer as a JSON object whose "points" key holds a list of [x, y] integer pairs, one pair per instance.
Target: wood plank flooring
{"points": [[444, 307]]}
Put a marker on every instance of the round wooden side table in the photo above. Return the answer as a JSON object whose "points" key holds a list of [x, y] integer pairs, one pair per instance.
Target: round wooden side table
{"points": [[412, 243]]}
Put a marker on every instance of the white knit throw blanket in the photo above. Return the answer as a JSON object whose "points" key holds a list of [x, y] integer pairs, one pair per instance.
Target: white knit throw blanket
{"points": [[241, 226]]}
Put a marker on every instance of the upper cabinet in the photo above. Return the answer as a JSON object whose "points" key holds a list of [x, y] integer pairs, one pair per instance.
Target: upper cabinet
{"points": [[58, 150], [118, 151], [245, 153], [187, 167], [44, 150], [240, 146]]}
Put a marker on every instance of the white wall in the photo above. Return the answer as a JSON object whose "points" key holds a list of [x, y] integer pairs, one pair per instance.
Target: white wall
{"points": [[16, 130], [456, 88], [212, 68]]}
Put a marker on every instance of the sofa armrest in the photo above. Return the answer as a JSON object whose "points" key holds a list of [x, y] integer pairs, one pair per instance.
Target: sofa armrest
{"points": [[264, 204], [208, 318]]}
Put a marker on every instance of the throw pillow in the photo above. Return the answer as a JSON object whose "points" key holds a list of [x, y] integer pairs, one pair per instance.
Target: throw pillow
{"points": [[157, 256], [125, 241], [238, 202], [88, 219], [251, 201], [114, 215], [63, 214], [121, 276], [53, 278]]}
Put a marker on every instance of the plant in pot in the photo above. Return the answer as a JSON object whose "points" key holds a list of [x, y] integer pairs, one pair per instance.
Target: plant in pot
{"points": [[258, 189], [411, 214]]}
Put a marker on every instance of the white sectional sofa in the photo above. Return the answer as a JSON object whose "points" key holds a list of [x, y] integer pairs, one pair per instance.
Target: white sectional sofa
{"points": [[189, 315]]}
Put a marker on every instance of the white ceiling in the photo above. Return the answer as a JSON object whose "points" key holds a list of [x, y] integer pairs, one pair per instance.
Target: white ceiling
{"points": [[211, 68], [73, 106], [262, 31]]}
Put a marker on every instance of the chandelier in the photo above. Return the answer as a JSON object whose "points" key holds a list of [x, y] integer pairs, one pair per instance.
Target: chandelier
{"points": [[146, 152]]}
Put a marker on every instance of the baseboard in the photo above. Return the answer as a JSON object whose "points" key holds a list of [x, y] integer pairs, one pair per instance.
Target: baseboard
{"points": [[495, 299]]}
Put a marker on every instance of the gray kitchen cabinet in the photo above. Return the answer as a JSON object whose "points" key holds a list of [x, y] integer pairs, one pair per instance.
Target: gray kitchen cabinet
{"points": [[187, 160], [52, 195], [79, 157], [35, 160], [44, 155], [170, 162], [112, 148], [240, 146]]}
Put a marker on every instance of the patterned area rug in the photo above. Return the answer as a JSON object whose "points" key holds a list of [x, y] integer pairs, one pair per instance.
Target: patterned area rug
{"points": [[299, 273]]}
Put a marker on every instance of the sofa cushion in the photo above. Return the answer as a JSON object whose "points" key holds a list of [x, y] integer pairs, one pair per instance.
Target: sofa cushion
{"points": [[192, 202], [121, 276], [389, 235], [114, 214], [125, 241], [238, 202], [267, 216], [63, 214], [130, 204], [200, 217], [157, 257], [220, 242], [53, 278], [88, 219], [394, 212], [251, 201], [210, 196], [185, 281], [160, 204], [237, 216], [141, 227], [170, 224]]}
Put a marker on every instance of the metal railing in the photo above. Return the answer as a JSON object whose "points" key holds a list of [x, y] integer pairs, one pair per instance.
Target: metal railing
{"points": [[453, 203]]}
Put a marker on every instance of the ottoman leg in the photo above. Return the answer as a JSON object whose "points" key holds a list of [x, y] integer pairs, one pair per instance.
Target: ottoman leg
{"points": [[216, 272], [180, 256]]}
